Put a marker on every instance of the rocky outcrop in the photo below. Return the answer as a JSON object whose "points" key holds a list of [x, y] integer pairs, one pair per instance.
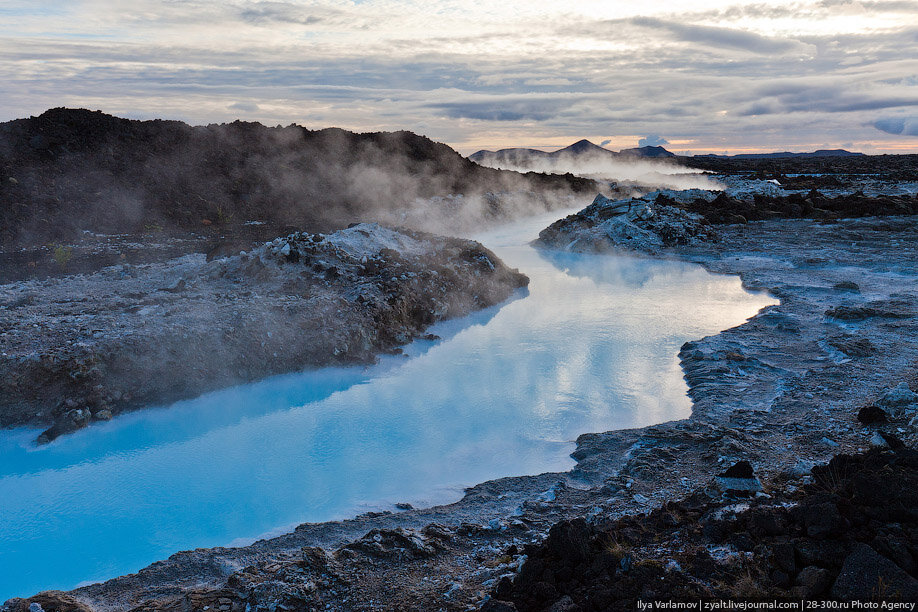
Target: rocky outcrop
{"points": [[851, 534], [637, 224], [669, 219], [84, 348]]}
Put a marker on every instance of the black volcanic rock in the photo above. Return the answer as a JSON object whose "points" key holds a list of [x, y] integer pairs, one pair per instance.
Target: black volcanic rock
{"points": [[869, 415], [866, 575], [740, 469], [853, 530], [820, 165], [813, 205]]}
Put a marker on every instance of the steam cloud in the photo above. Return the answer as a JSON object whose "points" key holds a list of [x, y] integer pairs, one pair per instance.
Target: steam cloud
{"points": [[652, 140], [646, 174]]}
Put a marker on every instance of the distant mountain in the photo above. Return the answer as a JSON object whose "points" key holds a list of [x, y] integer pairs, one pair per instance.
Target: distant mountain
{"points": [[784, 154], [582, 147], [509, 157], [521, 157], [648, 151]]}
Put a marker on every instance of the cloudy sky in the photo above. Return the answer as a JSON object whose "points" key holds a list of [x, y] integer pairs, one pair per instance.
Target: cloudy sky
{"points": [[697, 76]]}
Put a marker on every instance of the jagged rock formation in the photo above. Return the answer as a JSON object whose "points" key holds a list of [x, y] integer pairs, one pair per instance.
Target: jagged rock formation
{"points": [[636, 224], [668, 219]]}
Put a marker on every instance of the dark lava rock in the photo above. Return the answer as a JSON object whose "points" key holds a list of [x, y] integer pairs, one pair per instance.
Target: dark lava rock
{"points": [[739, 479], [725, 209], [852, 313], [869, 415], [783, 557], [810, 544], [814, 581], [821, 520], [853, 346], [395, 543], [847, 286], [821, 553], [740, 469], [893, 442], [866, 575], [888, 309], [570, 541]]}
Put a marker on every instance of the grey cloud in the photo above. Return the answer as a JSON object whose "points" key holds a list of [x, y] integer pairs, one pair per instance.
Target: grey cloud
{"points": [[900, 126], [874, 5], [246, 107], [503, 110], [817, 10], [797, 97], [652, 140], [604, 143], [719, 37], [268, 13]]}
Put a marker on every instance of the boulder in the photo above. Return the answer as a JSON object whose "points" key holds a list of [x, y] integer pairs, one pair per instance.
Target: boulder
{"points": [[867, 575], [740, 477], [869, 415], [897, 399], [813, 581]]}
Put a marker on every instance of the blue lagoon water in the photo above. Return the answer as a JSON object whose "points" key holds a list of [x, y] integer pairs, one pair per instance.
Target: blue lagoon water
{"points": [[590, 346]]}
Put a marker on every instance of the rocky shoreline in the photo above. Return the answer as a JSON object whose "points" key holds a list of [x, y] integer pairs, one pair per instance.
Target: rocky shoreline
{"points": [[782, 392], [84, 348]]}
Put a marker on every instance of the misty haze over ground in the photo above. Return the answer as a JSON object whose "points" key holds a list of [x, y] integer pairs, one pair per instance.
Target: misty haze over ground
{"points": [[587, 160]]}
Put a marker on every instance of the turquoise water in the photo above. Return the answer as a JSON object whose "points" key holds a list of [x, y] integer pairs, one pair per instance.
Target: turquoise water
{"points": [[590, 346]]}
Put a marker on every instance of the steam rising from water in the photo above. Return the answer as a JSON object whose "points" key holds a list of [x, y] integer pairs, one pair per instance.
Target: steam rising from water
{"points": [[643, 172]]}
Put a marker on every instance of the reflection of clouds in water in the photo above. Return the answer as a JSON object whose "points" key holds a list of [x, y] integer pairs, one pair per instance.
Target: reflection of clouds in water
{"points": [[591, 347], [631, 271]]}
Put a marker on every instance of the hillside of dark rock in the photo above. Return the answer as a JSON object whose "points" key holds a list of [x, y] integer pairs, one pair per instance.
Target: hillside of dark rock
{"points": [[68, 170]]}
